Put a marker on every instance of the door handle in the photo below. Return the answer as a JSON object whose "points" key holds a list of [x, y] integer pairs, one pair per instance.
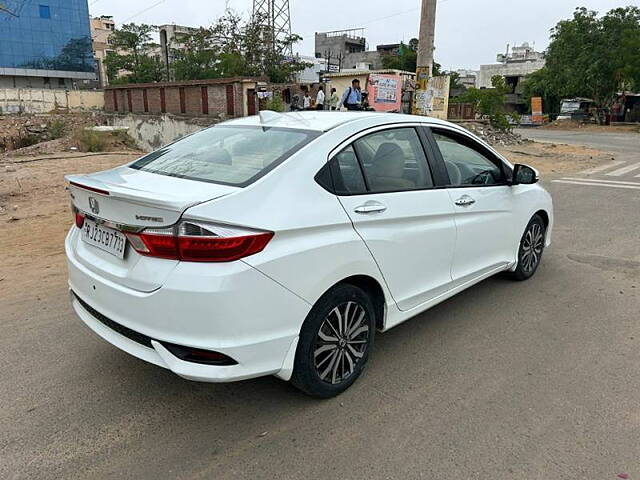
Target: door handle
{"points": [[465, 201], [370, 207]]}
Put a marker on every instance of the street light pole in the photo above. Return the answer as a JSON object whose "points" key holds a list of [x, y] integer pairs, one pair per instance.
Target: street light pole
{"points": [[424, 67]]}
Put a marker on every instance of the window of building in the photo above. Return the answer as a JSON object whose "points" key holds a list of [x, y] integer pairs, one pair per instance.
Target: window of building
{"points": [[61, 82], [45, 12]]}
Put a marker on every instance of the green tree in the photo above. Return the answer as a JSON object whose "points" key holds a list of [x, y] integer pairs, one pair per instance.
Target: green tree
{"points": [[489, 102], [590, 56], [133, 60], [233, 47], [406, 58], [199, 59], [275, 103]]}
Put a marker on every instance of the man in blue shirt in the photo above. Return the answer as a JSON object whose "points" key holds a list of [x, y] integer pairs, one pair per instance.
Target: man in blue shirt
{"points": [[352, 97]]}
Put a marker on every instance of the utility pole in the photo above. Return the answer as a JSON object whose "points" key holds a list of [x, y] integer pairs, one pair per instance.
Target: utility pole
{"points": [[424, 67], [277, 22]]}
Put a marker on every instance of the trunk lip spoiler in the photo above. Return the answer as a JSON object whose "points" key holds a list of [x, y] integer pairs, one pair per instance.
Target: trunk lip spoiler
{"points": [[150, 199], [89, 188]]}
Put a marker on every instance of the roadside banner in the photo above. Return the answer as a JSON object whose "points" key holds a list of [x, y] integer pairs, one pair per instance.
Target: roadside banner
{"points": [[536, 110], [434, 100], [385, 92]]}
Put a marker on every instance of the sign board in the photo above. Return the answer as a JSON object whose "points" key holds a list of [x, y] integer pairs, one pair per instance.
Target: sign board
{"points": [[434, 100], [385, 92], [536, 110]]}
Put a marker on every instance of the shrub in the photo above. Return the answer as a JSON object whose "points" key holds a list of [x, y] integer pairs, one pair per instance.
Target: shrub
{"points": [[275, 103], [25, 140], [489, 102], [56, 129], [121, 137], [91, 141]]}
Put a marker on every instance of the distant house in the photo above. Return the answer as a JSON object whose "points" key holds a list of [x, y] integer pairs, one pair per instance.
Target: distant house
{"points": [[101, 29], [513, 65]]}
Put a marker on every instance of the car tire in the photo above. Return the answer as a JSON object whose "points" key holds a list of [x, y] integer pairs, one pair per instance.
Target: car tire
{"points": [[332, 352], [530, 249]]}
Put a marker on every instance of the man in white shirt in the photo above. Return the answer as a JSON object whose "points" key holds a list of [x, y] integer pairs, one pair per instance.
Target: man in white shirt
{"points": [[320, 98]]}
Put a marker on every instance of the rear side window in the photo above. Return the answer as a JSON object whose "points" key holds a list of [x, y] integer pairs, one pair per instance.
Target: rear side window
{"points": [[230, 155], [394, 161], [348, 175]]}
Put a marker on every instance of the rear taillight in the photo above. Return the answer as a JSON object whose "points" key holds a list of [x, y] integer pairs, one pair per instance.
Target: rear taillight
{"points": [[78, 216], [194, 241]]}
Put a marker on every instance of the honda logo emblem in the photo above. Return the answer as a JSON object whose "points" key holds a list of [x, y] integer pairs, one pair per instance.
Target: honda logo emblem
{"points": [[94, 205]]}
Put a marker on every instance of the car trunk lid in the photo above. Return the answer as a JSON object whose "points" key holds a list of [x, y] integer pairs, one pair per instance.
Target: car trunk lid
{"points": [[129, 199]]}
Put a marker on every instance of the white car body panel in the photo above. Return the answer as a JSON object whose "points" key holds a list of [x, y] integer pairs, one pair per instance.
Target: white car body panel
{"points": [[485, 231], [252, 309], [414, 235]]}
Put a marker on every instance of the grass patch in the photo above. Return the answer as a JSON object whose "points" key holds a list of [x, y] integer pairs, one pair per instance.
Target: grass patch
{"points": [[95, 141], [91, 141], [56, 129]]}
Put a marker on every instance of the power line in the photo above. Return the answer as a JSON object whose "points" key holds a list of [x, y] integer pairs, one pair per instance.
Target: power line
{"points": [[397, 14], [143, 10], [374, 20]]}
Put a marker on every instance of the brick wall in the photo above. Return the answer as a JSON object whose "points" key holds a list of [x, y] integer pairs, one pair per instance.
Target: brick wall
{"points": [[182, 98], [108, 102], [193, 100], [137, 104], [172, 100], [153, 99], [217, 98], [120, 101]]}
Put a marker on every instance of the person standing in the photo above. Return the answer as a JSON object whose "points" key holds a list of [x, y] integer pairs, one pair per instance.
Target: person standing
{"points": [[352, 97], [334, 100], [306, 101], [320, 98]]}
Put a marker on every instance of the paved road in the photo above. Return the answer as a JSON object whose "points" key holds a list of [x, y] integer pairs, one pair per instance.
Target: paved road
{"points": [[534, 380], [622, 172], [618, 142]]}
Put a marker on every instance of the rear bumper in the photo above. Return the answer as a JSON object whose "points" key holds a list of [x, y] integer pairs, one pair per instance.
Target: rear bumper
{"points": [[229, 308]]}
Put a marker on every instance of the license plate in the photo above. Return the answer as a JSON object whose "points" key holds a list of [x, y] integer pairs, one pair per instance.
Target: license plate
{"points": [[104, 238]]}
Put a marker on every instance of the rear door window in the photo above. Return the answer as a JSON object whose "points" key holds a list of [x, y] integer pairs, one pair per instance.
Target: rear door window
{"points": [[230, 155], [393, 160]]}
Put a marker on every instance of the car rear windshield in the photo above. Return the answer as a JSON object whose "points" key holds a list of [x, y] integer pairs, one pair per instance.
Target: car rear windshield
{"points": [[226, 154]]}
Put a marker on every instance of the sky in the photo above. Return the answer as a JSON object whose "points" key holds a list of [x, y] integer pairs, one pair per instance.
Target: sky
{"points": [[469, 33]]}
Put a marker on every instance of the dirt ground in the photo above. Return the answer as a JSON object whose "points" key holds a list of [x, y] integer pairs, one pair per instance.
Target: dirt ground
{"points": [[551, 158], [35, 216]]}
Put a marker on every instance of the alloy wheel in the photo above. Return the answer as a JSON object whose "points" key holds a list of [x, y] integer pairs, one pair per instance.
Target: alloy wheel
{"points": [[532, 246], [341, 343]]}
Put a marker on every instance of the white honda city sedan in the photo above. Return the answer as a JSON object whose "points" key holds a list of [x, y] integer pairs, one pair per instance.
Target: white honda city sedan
{"points": [[278, 244]]}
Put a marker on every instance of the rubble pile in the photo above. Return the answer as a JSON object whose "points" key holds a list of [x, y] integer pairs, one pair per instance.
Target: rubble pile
{"points": [[27, 130], [493, 136]]}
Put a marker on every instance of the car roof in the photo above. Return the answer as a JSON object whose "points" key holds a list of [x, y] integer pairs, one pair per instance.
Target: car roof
{"points": [[326, 120]]}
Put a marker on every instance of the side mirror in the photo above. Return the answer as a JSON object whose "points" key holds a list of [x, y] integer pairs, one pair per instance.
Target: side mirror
{"points": [[524, 175]]}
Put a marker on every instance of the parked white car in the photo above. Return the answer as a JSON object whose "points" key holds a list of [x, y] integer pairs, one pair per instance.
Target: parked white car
{"points": [[278, 244]]}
